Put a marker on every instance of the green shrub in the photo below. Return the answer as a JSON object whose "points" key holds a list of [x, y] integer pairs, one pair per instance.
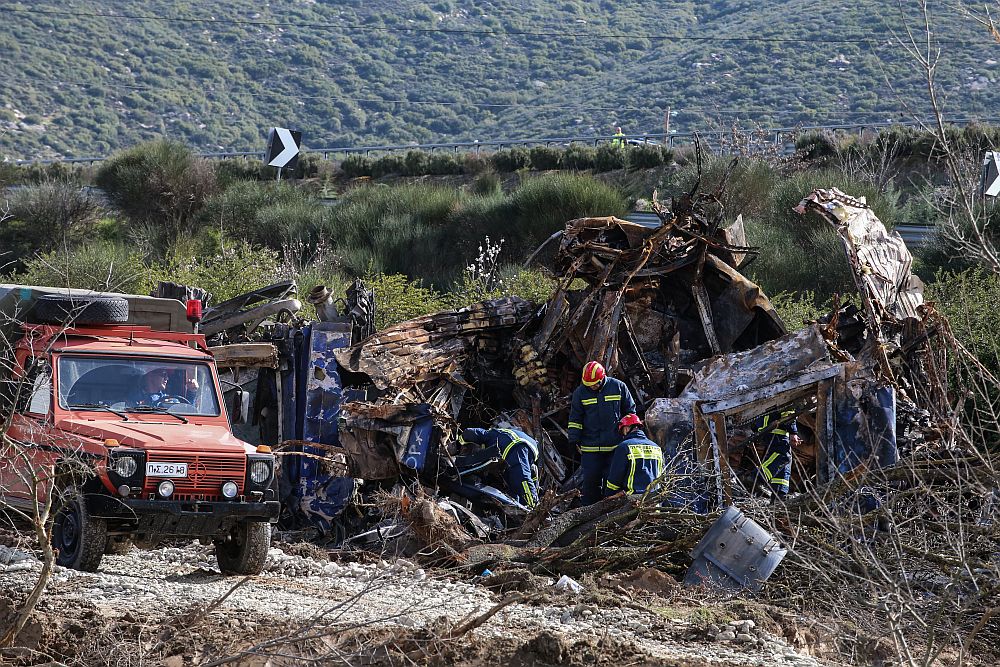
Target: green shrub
{"points": [[475, 163], [356, 165], [796, 309], [514, 159], [816, 144], [487, 184], [46, 216], [398, 299], [238, 210], [646, 156], [237, 268], [415, 163], [609, 158], [387, 165], [94, 265], [579, 157], [544, 158], [233, 170], [160, 182], [443, 164], [283, 222]]}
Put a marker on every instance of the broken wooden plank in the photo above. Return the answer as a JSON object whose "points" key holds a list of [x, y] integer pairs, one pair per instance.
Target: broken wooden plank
{"points": [[245, 355]]}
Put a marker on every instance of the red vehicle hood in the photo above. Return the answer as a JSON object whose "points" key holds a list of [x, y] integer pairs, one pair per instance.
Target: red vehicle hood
{"points": [[142, 435]]}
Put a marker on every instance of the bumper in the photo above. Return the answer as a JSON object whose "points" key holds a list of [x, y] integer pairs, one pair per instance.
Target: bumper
{"points": [[177, 518]]}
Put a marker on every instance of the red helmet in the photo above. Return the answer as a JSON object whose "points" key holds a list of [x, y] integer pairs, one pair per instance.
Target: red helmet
{"points": [[593, 374], [629, 421]]}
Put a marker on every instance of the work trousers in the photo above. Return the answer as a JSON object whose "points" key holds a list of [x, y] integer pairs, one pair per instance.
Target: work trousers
{"points": [[776, 468], [595, 471]]}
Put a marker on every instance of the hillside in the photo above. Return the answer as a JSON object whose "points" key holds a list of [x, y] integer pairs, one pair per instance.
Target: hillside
{"points": [[87, 78]]}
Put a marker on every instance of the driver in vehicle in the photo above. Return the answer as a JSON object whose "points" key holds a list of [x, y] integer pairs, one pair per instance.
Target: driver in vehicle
{"points": [[152, 388]]}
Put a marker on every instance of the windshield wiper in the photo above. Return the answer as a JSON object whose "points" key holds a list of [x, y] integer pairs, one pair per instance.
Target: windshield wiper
{"points": [[98, 406], [156, 409]]}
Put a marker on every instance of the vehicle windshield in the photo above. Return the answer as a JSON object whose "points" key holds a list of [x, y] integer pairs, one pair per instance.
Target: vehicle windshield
{"points": [[137, 386]]}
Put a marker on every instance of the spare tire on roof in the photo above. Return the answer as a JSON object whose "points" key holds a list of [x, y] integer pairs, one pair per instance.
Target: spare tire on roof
{"points": [[59, 309]]}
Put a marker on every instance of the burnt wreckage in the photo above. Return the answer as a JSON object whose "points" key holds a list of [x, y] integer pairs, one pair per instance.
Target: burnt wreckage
{"points": [[360, 416]]}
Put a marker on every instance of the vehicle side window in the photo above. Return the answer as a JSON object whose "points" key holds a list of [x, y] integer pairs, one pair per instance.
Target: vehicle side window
{"points": [[41, 391]]}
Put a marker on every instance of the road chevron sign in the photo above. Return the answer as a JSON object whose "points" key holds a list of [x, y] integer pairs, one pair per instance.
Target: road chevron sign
{"points": [[283, 148], [991, 174]]}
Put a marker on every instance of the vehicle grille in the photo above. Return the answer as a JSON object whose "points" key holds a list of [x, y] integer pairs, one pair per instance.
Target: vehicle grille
{"points": [[206, 474]]}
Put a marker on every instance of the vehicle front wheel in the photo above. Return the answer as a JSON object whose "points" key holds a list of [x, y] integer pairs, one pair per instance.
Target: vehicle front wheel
{"points": [[78, 538], [245, 552]]}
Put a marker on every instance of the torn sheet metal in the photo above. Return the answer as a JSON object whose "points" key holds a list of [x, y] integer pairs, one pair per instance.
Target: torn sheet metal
{"points": [[431, 347], [879, 258]]}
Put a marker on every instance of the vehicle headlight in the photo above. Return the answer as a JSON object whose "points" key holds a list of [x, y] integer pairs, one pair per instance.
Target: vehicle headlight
{"points": [[229, 490], [166, 488], [125, 466], [260, 471]]}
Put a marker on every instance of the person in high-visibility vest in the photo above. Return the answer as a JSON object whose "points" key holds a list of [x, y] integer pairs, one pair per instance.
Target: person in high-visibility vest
{"points": [[637, 461], [779, 433], [594, 411], [619, 139], [519, 452]]}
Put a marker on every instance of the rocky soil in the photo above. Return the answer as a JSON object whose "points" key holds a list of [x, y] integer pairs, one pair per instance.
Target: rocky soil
{"points": [[171, 606]]}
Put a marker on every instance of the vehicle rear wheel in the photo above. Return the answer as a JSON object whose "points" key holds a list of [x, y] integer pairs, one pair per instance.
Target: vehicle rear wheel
{"points": [[245, 552], [78, 538]]}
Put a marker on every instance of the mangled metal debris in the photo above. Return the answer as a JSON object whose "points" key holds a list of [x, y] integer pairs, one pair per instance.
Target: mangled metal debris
{"points": [[701, 347]]}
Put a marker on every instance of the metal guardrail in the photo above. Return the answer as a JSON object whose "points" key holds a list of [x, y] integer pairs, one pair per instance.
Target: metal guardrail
{"points": [[713, 139]]}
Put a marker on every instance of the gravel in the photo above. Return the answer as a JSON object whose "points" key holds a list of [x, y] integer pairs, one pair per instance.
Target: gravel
{"points": [[172, 580]]}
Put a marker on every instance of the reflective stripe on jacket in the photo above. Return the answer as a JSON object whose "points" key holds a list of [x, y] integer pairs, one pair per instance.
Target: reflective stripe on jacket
{"points": [[519, 452], [635, 464], [594, 415]]}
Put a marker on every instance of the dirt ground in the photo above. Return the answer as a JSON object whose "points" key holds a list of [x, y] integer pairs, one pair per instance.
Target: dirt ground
{"points": [[172, 607]]}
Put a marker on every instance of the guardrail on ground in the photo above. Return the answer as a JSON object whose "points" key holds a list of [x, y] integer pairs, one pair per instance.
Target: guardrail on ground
{"points": [[714, 140]]}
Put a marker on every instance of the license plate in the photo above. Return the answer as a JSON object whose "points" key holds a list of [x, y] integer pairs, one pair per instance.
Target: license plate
{"points": [[166, 470]]}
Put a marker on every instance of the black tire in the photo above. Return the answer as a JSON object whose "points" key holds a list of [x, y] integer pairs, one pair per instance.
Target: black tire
{"points": [[245, 552], [78, 538], [57, 309]]}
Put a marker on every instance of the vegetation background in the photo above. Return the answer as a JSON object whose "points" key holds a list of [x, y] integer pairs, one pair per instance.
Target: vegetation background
{"points": [[88, 78]]}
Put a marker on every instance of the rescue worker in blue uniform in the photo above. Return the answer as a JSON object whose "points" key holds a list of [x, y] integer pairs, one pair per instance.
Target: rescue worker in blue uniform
{"points": [[636, 462], [596, 407], [519, 453], [778, 432]]}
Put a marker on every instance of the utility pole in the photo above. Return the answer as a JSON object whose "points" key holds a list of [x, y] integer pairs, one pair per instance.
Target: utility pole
{"points": [[666, 122]]}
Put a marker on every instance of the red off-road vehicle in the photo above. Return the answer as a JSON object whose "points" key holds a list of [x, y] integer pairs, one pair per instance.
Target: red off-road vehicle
{"points": [[127, 426]]}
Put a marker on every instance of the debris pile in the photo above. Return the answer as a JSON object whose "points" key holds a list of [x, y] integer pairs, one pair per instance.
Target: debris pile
{"points": [[665, 309]]}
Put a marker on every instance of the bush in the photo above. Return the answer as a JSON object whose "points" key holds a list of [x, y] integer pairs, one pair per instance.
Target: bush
{"points": [[390, 164], [355, 166], [96, 265], [160, 182], [239, 267], [609, 158], [646, 156], [578, 157], [475, 163], [816, 145], [278, 224], [544, 158], [398, 299], [510, 160], [415, 163], [238, 209], [486, 184], [233, 170], [443, 164], [49, 214]]}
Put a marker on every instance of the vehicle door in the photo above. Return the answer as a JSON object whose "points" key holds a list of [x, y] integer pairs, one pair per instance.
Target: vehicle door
{"points": [[27, 452]]}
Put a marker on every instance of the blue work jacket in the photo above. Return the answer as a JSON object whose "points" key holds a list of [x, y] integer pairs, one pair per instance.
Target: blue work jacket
{"points": [[594, 416], [635, 463]]}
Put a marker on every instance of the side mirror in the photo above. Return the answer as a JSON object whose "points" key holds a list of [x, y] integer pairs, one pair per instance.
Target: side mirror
{"points": [[240, 414]]}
